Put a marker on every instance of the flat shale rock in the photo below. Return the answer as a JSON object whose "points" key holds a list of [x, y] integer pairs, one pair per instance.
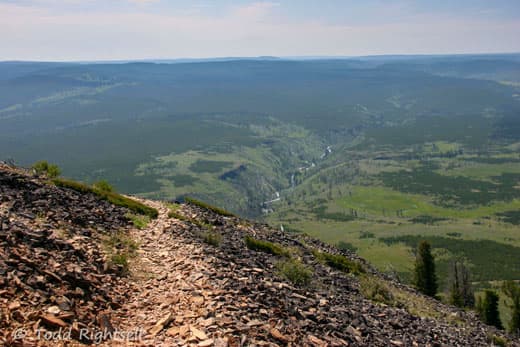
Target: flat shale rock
{"points": [[52, 274]]}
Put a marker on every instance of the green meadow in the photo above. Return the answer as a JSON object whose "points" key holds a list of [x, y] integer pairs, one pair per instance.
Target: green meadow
{"points": [[384, 203]]}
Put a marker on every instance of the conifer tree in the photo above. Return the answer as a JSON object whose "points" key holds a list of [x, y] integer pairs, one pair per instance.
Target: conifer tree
{"points": [[512, 290], [488, 309], [424, 277]]}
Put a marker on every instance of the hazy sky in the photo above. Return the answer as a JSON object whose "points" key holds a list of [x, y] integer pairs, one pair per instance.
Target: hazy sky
{"points": [[141, 29]]}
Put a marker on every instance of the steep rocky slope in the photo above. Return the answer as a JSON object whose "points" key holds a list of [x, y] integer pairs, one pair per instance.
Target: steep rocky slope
{"points": [[193, 281], [52, 266]]}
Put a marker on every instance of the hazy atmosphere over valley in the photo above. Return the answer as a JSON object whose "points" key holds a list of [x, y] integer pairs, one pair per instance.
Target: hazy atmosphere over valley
{"points": [[374, 144]]}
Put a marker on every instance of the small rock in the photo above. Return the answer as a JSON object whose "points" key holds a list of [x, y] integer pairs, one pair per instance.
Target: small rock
{"points": [[183, 330], [254, 322], [14, 305], [54, 310], [206, 343], [199, 334], [221, 342], [162, 277], [53, 322], [316, 341], [278, 335], [173, 331], [161, 324]]}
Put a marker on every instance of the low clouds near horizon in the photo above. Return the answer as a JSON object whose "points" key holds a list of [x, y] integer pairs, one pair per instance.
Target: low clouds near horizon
{"points": [[146, 29]]}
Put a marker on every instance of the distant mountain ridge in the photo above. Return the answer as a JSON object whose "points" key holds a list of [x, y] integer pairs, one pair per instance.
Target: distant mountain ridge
{"points": [[382, 57]]}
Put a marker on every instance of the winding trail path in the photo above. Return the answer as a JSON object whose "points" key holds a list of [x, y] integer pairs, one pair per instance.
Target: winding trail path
{"points": [[172, 284]]}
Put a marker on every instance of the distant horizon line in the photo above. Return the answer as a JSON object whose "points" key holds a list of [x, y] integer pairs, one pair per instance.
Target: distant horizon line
{"points": [[259, 57]]}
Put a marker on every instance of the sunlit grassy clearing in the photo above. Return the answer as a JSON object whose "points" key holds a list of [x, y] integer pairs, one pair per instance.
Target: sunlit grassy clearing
{"points": [[382, 201]]}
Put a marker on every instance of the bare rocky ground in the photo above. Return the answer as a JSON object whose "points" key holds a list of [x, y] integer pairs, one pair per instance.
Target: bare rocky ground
{"points": [[185, 291]]}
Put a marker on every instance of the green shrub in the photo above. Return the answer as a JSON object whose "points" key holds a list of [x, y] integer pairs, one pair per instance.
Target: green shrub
{"points": [[339, 262], [120, 248], [266, 247], [74, 185], [346, 246], [207, 206], [212, 238], [139, 221], [120, 259], [103, 186], [44, 168], [112, 197], [121, 240], [172, 206], [377, 290], [295, 271], [40, 167], [53, 171], [131, 204], [497, 340], [177, 215]]}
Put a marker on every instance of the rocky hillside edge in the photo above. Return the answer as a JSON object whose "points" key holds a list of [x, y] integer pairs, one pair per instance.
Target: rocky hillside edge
{"points": [[73, 262]]}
